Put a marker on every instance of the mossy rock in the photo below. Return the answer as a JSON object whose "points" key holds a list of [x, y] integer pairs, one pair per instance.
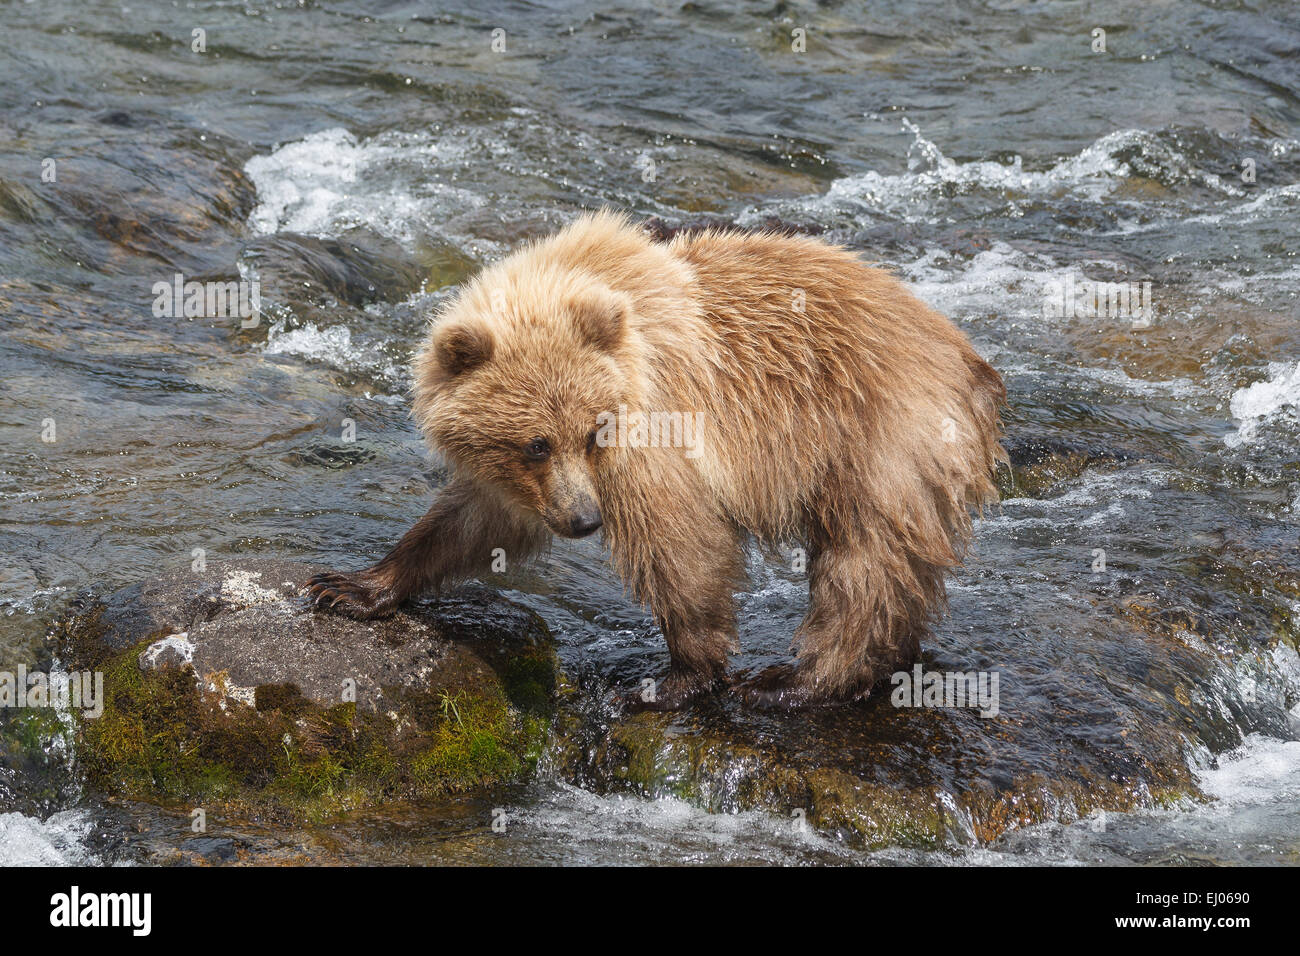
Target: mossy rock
{"points": [[868, 774], [223, 687]]}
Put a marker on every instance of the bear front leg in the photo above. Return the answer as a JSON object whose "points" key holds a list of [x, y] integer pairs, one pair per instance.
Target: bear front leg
{"points": [[685, 564], [455, 540], [699, 638]]}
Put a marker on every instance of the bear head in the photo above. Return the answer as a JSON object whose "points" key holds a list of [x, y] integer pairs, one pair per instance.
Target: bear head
{"points": [[513, 378]]}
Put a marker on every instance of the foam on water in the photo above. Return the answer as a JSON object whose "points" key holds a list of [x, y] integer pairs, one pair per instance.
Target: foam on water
{"points": [[56, 841], [1000, 280], [640, 831], [1094, 171], [1249, 818], [333, 345], [442, 182], [1277, 398], [300, 184], [330, 182], [1010, 285], [1274, 201], [1260, 288], [1267, 203], [1074, 507], [1169, 388], [1262, 771], [37, 600], [1092, 175]]}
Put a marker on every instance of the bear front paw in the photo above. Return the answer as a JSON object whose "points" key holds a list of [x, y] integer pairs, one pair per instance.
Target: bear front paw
{"points": [[358, 595]]}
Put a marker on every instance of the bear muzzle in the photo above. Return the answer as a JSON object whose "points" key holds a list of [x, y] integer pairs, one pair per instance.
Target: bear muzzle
{"points": [[572, 510], [584, 522]]}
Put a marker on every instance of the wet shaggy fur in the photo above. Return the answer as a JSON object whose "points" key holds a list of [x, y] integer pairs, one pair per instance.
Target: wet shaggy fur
{"points": [[857, 422]]}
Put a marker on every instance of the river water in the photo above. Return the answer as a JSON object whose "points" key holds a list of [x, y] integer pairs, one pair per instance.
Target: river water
{"points": [[358, 160]]}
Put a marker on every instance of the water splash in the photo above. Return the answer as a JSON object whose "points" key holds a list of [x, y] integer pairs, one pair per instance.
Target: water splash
{"points": [[1275, 399]]}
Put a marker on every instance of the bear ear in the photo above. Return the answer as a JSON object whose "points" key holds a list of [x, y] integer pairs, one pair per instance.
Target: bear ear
{"points": [[462, 346], [602, 320]]}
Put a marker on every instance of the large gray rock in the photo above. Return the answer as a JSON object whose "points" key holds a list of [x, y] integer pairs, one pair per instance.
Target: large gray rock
{"points": [[246, 626], [227, 680]]}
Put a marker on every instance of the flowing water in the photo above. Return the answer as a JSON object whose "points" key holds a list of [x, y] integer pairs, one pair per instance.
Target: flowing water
{"points": [[358, 160]]}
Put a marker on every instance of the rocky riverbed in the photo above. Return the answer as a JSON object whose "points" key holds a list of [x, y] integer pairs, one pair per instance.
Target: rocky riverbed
{"points": [[1136, 593], [225, 691]]}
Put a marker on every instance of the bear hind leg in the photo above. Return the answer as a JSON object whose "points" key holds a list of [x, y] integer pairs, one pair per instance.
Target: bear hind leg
{"points": [[868, 608]]}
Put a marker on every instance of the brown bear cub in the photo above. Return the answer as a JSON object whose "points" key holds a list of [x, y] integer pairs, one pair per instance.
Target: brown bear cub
{"points": [[681, 396]]}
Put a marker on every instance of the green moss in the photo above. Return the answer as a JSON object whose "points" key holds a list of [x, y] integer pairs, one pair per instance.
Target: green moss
{"points": [[530, 681], [876, 816], [162, 736], [469, 744]]}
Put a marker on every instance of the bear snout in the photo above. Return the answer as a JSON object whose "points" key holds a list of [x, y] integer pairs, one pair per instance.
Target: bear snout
{"points": [[585, 522], [572, 510]]}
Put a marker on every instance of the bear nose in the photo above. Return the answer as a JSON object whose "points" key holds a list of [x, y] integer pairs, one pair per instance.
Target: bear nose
{"points": [[585, 524]]}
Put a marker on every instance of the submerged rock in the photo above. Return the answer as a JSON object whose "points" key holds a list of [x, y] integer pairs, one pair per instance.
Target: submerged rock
{"points": [[1107, 710], [313, 276], [223, 685], [1038, 466]]}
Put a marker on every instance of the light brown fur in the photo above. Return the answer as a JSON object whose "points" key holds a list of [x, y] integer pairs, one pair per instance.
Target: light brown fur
{"points": [[864, 426]]}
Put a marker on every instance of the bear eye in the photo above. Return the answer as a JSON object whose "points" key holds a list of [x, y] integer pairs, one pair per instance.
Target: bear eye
{"points": [[591, 441], [539, 449]]}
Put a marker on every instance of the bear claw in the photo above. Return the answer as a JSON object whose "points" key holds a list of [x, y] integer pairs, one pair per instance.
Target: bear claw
{"points": [[351, 594]]}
